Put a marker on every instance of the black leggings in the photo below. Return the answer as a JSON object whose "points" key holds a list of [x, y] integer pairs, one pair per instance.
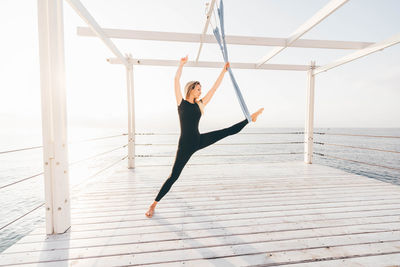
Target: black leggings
{"points": [[184, 153]]}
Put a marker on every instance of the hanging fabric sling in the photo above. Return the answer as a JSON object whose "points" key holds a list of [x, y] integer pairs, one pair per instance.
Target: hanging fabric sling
{"points": [[222, 45]]}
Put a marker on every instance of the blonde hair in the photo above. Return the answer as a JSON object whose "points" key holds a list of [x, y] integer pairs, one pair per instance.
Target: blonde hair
{"points": [[189, 87]]}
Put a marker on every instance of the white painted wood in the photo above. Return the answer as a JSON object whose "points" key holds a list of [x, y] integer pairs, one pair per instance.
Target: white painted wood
{"points": [[210, 64], [364, 52], [391, 259], [384, 260], [221, 190], [217, 215], [214, 188], [124, 209], [294, 214], [220, 208], [232, 193], [94, 26], [288, 230], [54, 115], [309, 122], [122, 183], [230, 39], [224, 181], [284, 251], [327, 10], [228, 192], [311, 258], [209, 13], [211, 227], [131, 116], [305, 193], [274, 213], [124, 205]]}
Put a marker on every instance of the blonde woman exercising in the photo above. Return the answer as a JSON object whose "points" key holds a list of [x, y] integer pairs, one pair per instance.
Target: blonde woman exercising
{"points": [[190, 110]]}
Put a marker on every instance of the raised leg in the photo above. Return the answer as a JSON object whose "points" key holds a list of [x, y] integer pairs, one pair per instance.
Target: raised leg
{"points": [[210, 138]]}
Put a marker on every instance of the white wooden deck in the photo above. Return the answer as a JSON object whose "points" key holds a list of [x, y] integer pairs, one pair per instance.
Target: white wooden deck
{"points": [[267, 214]]}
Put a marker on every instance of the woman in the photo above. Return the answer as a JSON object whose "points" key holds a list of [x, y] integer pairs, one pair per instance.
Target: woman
{"points": [[190, 110]]}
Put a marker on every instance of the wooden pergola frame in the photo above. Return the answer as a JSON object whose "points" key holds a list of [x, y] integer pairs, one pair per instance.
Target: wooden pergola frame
{"points": [[52, 77]]}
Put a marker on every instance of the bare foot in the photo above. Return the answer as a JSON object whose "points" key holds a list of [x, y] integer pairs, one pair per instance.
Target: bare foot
{"points": [[255, 114], [150, 212]]}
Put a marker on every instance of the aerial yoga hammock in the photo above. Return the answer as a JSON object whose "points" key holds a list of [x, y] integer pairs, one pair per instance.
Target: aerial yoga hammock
{"points": [[222, 45], [190, 139]]}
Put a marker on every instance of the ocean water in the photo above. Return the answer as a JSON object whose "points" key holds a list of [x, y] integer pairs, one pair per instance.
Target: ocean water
{"points": [[251, 144]]}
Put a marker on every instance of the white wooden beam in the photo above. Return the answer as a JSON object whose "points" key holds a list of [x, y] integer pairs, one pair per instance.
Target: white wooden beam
{"points": [[230, 39], [361, 53], [211, 7], [54, 116], [85, 15], [308, 25], [309, 122], [131, 115], [209, 64]]}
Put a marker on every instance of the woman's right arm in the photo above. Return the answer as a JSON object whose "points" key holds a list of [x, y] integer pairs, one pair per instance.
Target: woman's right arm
{"points": [[178, 93]]}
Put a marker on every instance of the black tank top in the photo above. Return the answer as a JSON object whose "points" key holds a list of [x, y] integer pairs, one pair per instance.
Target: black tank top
{"points": [[189, 117]]}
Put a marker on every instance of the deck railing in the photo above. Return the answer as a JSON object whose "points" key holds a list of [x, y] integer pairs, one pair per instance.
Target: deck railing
{"points": [[357, 147], [70, 164]]}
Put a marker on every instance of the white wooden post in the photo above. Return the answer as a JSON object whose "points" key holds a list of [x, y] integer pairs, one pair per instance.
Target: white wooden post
{"points": [[309, 125], [54, 115], [131, 116]]}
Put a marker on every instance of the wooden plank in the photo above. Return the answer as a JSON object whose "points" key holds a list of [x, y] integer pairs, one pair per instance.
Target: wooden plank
{"points": [[184, 182], [244, 192], [226, 208], [238, 169], [292, 216], [201, 229], [234, 181], [230, 39], [189, 203], [238, 231], [395, 39], [125, 204], [96, 29], [208, 64], [229, 189], [182, 218], [388, 260], [188, 206], [385, 260], [230, 203], [187, 215], [144, 187], [284, 251], [174, 215], [174, 195], [207, 178]]}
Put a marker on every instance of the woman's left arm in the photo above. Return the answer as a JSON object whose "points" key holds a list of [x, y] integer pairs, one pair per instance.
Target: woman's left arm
{"points": [[211, 92]]}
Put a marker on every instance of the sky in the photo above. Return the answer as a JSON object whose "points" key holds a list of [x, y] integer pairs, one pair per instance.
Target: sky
{"points": [[363, 93]]}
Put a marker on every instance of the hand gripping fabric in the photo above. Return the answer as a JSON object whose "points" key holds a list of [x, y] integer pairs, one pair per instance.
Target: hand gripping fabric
{"points": [[222, 45]]}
